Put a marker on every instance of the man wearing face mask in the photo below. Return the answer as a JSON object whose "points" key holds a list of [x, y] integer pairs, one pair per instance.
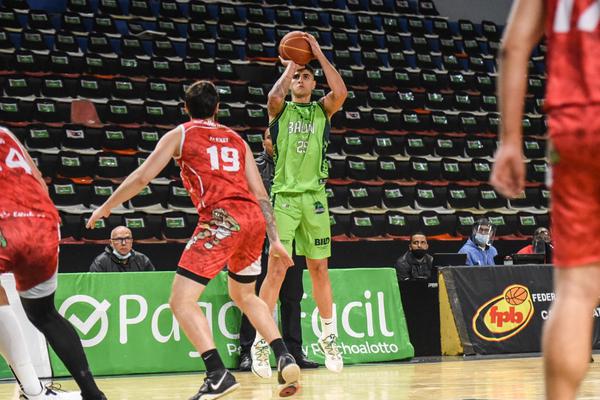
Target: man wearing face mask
{"points": [[119, 255], [541, 244], [478, 248], [415, 264]]}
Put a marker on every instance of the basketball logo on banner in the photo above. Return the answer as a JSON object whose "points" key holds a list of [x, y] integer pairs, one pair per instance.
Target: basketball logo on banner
{"points": [[504, 316]]}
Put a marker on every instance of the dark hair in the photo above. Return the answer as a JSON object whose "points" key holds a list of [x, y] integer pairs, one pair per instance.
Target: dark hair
{"points": [[308, 68], [483, 221], [201, 99], [417, 233]]}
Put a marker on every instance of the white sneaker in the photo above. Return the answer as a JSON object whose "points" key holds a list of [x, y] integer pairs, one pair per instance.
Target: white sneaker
{"points": [[331, 351], [52, 392], [261, 365]]}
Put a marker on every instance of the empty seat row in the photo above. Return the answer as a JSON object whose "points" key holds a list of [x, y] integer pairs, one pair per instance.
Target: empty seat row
{"points": [[255, 115], [85, 140], [396, 224], [436, 121], [238, 10], [78, 15], [107, 37], [101, 46], [405, 88], [422, 169], [102, 165], [423, 196], [112, 165], [91, 87], [402, 76], [352, 143], [155, 198], [120, 112], [179, 226], [77, 137], [160, 198], [136, 66], [171, 226]]}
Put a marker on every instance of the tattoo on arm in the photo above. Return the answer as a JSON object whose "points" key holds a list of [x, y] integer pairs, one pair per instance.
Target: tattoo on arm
{"points": [[282, 86], [267, 210]]}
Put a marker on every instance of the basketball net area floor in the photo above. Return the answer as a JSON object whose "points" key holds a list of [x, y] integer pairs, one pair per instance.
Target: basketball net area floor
{"points": [[450, 379]]}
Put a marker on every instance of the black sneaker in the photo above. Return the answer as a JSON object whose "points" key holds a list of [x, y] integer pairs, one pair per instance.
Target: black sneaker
{"points": [[303, 362], [288, 375], [216, 384], [245, 361]]}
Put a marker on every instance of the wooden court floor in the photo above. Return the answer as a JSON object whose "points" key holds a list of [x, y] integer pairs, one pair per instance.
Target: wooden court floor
{"points": [[498, 379]]}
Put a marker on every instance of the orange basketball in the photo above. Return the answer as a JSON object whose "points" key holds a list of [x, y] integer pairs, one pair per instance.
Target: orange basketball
{"points": [[516, 295], [295, 47]]}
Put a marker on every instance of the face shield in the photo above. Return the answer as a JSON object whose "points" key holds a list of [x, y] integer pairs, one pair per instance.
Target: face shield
{"points": [[483, 233], [541, 240]]}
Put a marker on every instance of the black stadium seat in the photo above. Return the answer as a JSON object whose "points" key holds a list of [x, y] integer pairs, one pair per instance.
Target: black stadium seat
{"points": [[365, 225], [101, 230], [178, 226], [140, 225], [398, 224], [363, 196]]}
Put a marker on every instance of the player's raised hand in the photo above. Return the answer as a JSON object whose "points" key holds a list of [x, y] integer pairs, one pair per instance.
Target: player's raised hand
{"points": [[508, 173], [314, 45], [280, 255], [98, 214], [285, 63]]}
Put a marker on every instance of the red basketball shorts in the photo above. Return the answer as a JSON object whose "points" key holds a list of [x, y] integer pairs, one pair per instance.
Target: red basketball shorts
{"points": [[574, 154], [29, 249], [229, 233]]}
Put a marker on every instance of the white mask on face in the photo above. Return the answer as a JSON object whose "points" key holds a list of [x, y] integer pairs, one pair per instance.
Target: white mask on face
{"points": [[120, 256], [481, 239]]}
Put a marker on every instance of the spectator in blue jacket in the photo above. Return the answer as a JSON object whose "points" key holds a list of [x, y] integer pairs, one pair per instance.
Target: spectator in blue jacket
{"points": [[478, 248]]}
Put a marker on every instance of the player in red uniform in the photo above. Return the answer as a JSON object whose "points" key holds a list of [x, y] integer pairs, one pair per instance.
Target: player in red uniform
{"points": [[29, 239], [572, 105], [219, 172]]}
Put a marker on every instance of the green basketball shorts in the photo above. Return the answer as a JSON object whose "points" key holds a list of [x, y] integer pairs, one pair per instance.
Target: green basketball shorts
{"points": [[304, 218]]}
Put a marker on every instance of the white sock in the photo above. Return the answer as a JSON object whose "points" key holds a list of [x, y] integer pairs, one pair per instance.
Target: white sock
{"points": [[328, 326], [14, 350]]}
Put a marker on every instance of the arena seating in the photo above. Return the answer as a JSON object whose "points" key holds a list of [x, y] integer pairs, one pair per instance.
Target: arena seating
{"points": [[411, 149]]}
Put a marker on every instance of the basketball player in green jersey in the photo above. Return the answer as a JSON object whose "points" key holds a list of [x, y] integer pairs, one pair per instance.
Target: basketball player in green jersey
{"points": [[300, 133]]}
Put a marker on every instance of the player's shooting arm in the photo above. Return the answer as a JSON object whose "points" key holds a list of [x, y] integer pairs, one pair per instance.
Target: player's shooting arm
{"points": [[280, 89], [166, 148], [256, 186], [524, 29], [334, 100]]}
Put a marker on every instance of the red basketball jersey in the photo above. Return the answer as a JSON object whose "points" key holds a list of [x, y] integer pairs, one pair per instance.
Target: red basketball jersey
{"points": [[21, 195], [213, 166], [573, 59]]}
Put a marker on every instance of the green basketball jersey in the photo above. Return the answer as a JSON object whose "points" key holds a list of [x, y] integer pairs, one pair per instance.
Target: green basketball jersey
{"points": [[300, 136]]}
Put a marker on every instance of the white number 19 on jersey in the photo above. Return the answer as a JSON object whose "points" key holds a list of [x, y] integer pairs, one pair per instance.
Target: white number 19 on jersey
{"points": [[229, 159]]}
